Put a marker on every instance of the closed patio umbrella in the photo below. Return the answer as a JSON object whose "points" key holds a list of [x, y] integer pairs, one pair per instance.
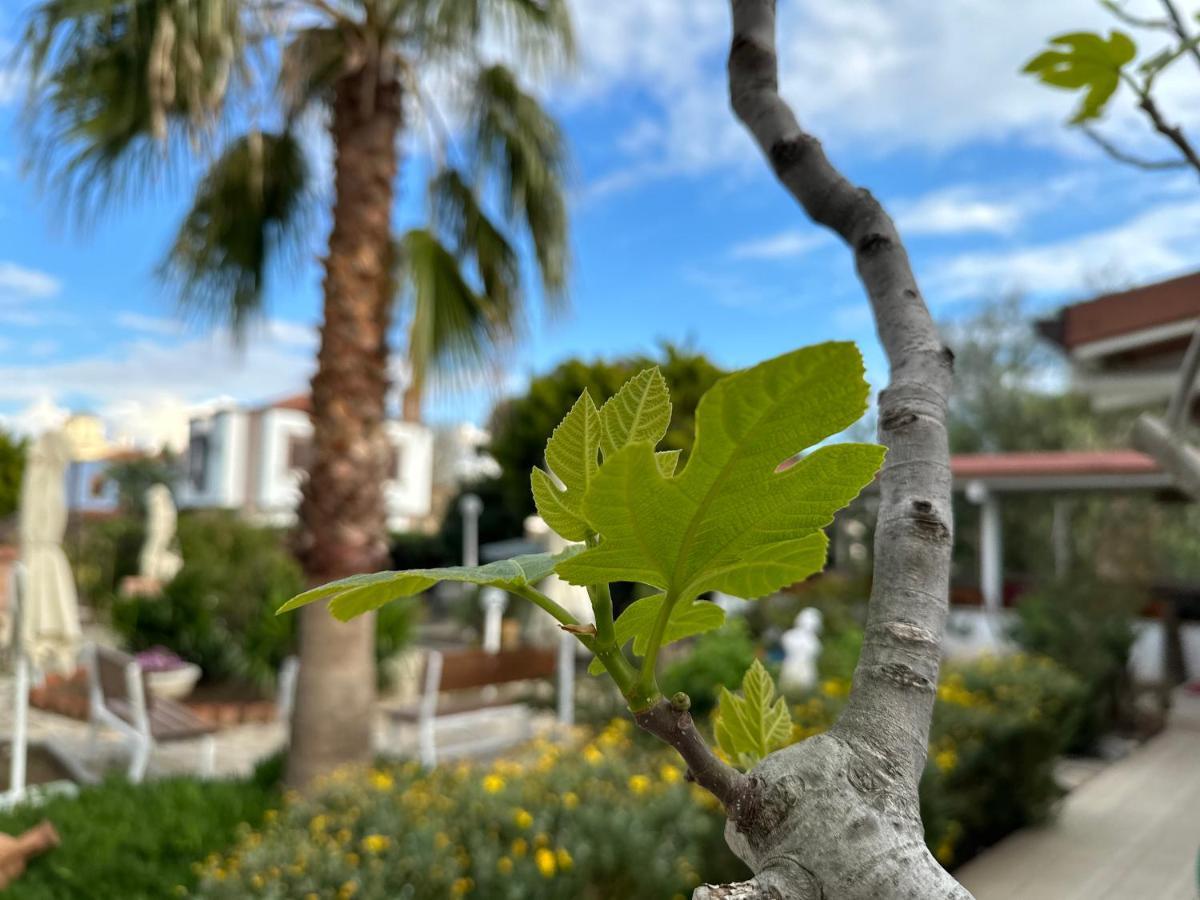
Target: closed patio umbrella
{"points": [[42, 623]]}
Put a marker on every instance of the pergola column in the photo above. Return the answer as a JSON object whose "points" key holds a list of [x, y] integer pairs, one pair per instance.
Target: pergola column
{"points": [[991, 545]]}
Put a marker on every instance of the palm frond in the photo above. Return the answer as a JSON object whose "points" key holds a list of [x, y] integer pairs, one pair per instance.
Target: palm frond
{"points": [[452, 327], [540, 31], [249, 209], [110, 79], [519, 149], [478, 242], [313, 62]]}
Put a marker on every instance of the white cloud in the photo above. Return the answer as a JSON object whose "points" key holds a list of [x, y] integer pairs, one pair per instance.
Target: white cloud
{"points": [[19, 281], [1155, 243], [144, 324], [144, 387], [784, 245], [958, 210]]}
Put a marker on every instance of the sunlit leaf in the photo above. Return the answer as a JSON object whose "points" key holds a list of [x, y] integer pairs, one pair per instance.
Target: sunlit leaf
{"points": [[636, 622], [1087, 62], [572, 457], [756, 723]]}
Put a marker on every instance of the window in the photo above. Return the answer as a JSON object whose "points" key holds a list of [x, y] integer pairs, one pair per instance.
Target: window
{"points": [[299, 453], [198, 462]]}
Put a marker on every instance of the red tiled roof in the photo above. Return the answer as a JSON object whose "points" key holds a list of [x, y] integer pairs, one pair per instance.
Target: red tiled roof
{"points": [[299, 402], [1047, 463], [1128, 311]]}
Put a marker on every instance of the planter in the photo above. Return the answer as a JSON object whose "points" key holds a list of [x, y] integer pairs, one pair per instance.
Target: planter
{"points": [[173, 684]]}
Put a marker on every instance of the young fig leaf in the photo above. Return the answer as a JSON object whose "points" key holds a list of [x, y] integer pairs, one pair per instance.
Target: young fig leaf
{"points": [[757, 723]]}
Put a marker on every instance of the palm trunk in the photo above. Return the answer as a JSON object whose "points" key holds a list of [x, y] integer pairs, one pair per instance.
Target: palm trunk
{"points": [[343, 522]]}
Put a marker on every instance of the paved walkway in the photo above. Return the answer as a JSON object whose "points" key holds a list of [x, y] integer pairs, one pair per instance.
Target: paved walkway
{"points": [[1132, 832]]}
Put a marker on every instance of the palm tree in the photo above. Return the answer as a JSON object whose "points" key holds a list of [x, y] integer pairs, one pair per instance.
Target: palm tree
{"points": [[124, 90]]}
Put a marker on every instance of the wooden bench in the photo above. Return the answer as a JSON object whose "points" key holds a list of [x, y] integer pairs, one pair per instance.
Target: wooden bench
{"points": [[449, 675], [119, 699]]}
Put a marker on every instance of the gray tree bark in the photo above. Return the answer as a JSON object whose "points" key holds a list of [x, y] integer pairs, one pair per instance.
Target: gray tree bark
{"points": [[837, 816]]}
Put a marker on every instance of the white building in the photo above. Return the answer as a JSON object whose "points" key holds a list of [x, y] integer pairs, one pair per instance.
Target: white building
{"points": [[254, 460]]}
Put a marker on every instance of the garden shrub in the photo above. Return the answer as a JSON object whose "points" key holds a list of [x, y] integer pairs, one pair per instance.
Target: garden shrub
{"points": [[548, 822], [219, 611], [123, 841], [102, 553], [1085, 625], [999, 724]]}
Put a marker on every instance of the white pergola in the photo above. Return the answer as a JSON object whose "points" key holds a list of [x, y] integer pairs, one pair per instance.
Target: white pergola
{"points": [[985, 478]]}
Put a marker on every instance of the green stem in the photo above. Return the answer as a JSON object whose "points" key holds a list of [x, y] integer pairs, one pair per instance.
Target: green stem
{"points": [[606, 648], [602, 606], [537, 597], [647, 682]]}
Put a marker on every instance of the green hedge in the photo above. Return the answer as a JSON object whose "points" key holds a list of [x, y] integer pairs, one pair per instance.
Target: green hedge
{"points": [[999, 725], [123, 841]]}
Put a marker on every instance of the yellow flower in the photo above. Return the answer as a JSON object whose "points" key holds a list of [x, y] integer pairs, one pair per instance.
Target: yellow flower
{"points": [[563, 857], [835, 687], [376, 843], [352, 860], [311, 896], [522, 818], [591, 754], [493, 784], [944, 852], [546, 863], [347, 890], [318, 824], [270, 816], [670, 774], [344, 835], [946, 759], [461, 886], [382, 781], [441, 840], [520, 847], [639, 784], [541, 839], [504, 865], [570, 800]]}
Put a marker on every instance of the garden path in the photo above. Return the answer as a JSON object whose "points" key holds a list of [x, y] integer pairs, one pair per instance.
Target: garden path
{"points": [[1131, 832]]}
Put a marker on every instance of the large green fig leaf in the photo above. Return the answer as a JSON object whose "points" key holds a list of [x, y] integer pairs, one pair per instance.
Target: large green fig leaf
{"points": [[732, 521], [358, 594]]}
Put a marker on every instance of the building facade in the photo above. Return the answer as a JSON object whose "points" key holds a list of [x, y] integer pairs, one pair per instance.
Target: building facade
{"points": [[254, 460]]}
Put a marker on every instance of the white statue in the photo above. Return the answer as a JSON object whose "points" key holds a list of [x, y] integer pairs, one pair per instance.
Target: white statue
{"points": [[159, 562], [801, 647]]}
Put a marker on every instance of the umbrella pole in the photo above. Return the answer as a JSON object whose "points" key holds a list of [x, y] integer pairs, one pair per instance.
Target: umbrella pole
{"points": [[20, 735]]}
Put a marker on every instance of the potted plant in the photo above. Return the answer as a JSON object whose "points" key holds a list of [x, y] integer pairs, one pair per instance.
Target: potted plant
{"points": [[167, 674]]}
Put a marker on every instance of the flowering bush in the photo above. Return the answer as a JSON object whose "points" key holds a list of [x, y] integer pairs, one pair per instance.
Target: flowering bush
{"points": [[999, 724], [549, 822]]}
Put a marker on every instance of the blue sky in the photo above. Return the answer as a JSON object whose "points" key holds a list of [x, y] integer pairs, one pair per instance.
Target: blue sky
{"points": [[679, 231]]}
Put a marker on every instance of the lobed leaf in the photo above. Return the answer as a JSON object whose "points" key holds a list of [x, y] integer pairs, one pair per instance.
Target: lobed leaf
{"points": [[757, 723], [353, 596], [735, 520], [639, 411], [1087, 62], [571, 455]]}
